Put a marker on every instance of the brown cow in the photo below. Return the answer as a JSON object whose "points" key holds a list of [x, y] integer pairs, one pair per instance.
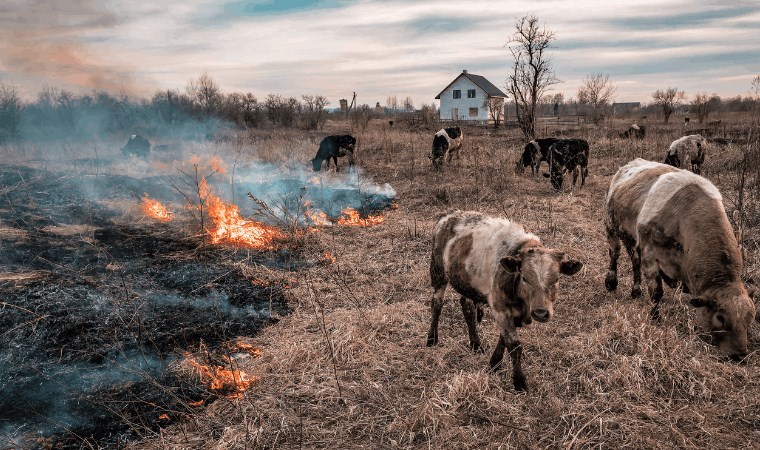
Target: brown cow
{"points": [[674, 227], [493, 261]]}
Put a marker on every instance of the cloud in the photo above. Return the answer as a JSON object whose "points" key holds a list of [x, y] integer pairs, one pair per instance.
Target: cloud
{"points": [[379, 48]]}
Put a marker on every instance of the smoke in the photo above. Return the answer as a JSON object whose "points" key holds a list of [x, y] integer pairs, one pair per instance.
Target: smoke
{"points": [[49, 41]]}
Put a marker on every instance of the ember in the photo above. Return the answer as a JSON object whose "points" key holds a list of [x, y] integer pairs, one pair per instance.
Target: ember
{"points": [[231, 228], [155, 209], [229, 383], [318, 218], [351, 217], [328, 258]]}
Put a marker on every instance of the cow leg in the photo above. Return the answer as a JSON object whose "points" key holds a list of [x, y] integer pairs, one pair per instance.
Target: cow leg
{"points": [[436, 305], [575, 175], [635, 254], [654, 280], [350, 160], [480, 312], [611, 280], [469, 310], [508, 340], [584, 174], [335, 159]]}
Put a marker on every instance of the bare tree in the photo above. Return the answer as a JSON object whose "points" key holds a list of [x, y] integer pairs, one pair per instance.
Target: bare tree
{"points": [[314, 111], [205, 94], [532, 73], [495, 108], [669, 99], [391, 103], [597, 91], [702, 105], [754, 93], [408, 104], [10, 111]]}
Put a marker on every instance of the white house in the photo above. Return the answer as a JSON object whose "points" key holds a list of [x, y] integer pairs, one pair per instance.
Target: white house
{"points": [[467, 98]]}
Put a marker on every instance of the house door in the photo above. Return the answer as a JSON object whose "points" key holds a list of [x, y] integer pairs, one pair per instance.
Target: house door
{"points": [[454, 113]]}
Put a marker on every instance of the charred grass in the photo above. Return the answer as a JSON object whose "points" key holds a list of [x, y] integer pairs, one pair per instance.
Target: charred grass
{"points": [[348, 368]]}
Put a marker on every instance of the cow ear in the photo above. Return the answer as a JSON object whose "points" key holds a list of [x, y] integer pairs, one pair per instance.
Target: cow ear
{"points": [[702, 303], [511, 264], [570, 267]]}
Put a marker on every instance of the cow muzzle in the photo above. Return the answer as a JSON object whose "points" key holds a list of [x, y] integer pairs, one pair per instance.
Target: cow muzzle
{"points": [[541, 315]]}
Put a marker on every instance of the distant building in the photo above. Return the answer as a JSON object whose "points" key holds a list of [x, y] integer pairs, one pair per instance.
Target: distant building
{"points": [[464, 99], [625, 107]]}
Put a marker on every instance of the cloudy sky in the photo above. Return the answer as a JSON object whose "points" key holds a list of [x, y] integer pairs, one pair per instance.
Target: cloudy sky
{"points": [[377, 48]]}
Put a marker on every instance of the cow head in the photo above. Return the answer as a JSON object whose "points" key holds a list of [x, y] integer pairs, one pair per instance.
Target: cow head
{"points": [[727, 317], [538, 270], [440, 146], [316, 164]]}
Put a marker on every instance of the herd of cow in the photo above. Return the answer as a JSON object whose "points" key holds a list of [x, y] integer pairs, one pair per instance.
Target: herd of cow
{"points": [[671, 221]]}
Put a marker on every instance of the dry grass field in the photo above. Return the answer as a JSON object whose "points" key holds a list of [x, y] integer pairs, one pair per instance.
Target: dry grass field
{"points": [[348, 367]]}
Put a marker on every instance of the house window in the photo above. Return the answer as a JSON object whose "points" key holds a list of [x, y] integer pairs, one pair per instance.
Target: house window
{"points": [[470, 93], [457, 93], [473, 112], [454, 113]]}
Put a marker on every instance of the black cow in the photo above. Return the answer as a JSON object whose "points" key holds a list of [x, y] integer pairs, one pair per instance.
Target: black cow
{"points": [[446, 142], [137, 145], [535, 151], [568, 155], [334, 147], [635, 131]]}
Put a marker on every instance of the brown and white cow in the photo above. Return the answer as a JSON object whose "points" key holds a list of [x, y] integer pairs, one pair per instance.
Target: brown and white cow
{"points": [[674, 228], [493, 261], [446, 143], [688, 151]]}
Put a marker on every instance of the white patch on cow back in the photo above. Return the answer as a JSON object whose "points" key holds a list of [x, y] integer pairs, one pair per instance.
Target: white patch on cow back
{"points": [[667, 186], [685, 142], [628, 172], [536, 146]]}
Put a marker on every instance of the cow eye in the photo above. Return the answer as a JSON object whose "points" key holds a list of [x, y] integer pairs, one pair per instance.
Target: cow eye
{"points": [[720, 320]]}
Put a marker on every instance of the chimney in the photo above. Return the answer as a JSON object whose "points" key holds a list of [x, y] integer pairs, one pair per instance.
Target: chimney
{"points": [[464, 71]]}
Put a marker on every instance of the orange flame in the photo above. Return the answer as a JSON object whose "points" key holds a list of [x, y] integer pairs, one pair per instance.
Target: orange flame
{"points": [[245, 347], [231, 228], [155, 209], [230, 383], [351, 217], [216, 164], [164, 416], [196, 404], [318, 218], [328, 258]]}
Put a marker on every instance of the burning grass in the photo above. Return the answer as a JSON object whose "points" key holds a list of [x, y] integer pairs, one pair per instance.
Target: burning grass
{"points": [[155, 210]]}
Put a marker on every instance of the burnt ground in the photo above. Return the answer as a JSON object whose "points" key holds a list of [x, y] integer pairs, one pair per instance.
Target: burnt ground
{"points": [[95, 308]]}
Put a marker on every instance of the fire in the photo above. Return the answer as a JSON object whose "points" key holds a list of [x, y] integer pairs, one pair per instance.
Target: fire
{"points": [[351, 217], [231, 228], [244, 347], [318, 218], [230, 383], [196, 404], [216, 164], [155, 209]]}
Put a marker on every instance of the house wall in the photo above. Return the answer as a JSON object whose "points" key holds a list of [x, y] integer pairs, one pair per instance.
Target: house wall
{"points": [[448, 102]]}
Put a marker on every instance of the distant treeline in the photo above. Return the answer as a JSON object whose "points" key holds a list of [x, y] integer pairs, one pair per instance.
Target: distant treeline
{"points": [[200, 110]]}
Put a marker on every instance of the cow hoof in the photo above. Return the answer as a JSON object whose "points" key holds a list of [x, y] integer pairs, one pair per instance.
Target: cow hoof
{"points": [[611, 282], [521, 385], [431, 341], [636, 291], [476, 347]]}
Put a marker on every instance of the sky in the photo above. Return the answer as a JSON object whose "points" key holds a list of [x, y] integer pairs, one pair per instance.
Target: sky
{"points": [[376, 48]]}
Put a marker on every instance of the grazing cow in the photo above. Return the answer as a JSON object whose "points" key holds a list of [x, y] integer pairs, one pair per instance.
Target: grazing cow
{"points": [[674, 228], [334, 147], [535, 151], [635, 131], [446, 142], [137, 145], [568, 155], [493, 261], [687, 151]]}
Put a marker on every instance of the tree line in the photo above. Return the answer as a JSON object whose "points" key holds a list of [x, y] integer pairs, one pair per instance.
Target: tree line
{"points": [[200, 108]]}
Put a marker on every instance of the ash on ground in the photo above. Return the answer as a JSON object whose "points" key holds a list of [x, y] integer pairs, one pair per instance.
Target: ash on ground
{"points": [[94, 310]]}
